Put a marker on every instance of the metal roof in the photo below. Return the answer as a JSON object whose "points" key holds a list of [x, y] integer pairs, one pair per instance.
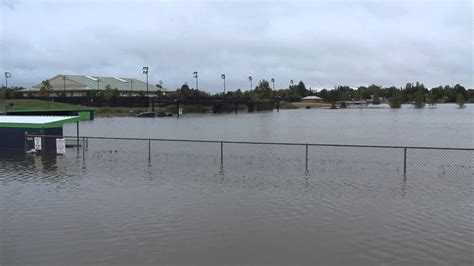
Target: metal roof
{"points": [[36, 121], [98, 83], [311, 98]]}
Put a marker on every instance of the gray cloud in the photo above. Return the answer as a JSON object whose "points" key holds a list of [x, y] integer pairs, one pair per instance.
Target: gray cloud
{"points": [[322, 43]]}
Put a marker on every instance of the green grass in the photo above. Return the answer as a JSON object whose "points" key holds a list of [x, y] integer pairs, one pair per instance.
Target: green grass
{"points": [[287, 105], [119, 111], [38, 105]]}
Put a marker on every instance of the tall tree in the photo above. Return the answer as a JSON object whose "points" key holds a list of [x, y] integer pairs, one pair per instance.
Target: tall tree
{"points": [[430, 100], [419, 99], [364, 93], [458, 89], [374, 89], [263, 90], [397, 99], [110, 93], [323, 94], [302, 91], [437, 93], [460, 100], [45, 89]]}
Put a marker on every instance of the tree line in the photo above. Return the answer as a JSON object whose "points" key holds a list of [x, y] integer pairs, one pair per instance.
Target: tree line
{"points": [[416, 93]]}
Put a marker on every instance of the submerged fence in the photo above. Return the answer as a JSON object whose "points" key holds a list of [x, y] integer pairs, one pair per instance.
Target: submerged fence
{"points": [[274, 155]]}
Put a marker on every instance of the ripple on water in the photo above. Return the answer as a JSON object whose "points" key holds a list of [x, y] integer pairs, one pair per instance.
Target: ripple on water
{"points": [[114, 207]]}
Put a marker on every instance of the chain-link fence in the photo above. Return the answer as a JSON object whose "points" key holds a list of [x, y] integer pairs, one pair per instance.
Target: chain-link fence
{"points": [[270, 157]]}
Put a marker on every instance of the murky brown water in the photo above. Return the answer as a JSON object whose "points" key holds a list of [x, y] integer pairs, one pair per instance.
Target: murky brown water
{"points": [[110, 206]]}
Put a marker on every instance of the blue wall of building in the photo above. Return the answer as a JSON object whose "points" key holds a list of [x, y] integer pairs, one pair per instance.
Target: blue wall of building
{"points": [[12, 138]]}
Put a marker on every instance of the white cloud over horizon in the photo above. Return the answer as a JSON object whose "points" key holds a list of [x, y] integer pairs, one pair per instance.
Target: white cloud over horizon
{"points": [[324, 43]]}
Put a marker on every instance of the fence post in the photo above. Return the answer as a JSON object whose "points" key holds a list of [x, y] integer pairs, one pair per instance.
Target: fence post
{"points": [[306, 157], [405, 162], [77, 133], [177, 109], [26, 142], [42, 140], [149, 150], [222, 153], [83, 147]]}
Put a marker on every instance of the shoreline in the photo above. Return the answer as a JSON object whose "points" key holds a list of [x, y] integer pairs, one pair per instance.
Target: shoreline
{"points": [[39, 105]]}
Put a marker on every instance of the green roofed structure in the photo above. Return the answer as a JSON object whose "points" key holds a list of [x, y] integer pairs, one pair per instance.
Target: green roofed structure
{"points": [[15, 129], [83, 114], [80, 86], [36, 121]]}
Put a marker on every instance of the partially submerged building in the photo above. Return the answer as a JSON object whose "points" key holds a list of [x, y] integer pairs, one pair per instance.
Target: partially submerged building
{"points": [[14, 131], [84, 114]]}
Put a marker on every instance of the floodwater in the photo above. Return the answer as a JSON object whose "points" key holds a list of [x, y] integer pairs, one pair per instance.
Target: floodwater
{"points": [[107, 204], [444, 126]]}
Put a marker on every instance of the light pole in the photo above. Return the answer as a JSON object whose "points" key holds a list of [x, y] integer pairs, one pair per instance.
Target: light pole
{"points": [[195, 75], [145, 71], [131, 87], [64, 80], [160, 92], [250, 79], [7, 76], [98, 81], [273, 82], [291, 82], [223, 77]]}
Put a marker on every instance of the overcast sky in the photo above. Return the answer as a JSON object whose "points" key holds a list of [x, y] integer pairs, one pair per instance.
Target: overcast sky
{"points": [[323, 43]]}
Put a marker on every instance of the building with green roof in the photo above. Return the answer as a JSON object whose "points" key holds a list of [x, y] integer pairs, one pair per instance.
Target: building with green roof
{"points": [[14, 131], [80, 86]]}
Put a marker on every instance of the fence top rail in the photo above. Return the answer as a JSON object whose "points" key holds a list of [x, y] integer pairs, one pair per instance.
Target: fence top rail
{"points": [[258, 142]]}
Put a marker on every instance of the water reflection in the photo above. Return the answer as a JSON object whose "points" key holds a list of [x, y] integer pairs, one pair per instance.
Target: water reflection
{"points": [[46, 162], [221, 173], [170, 210], [306, 178], [404, 186], [446, 126], [13, 156]]}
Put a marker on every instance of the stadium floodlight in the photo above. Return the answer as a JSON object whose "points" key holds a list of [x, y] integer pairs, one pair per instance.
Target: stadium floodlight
{"points": [[195, 75], [223, 77], [7, 76], [145, 72]]}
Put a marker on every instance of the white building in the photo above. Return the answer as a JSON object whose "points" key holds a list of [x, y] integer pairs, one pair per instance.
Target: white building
{"points": [[312, 99], [76, 85]]}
